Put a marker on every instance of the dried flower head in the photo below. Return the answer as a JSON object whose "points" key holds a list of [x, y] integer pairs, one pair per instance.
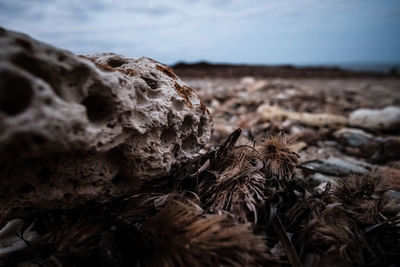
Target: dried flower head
{"points": [[71, 232], [239, 188], [357, 193], [334, 224], [334, 232], [279, 159], [182, 235]]}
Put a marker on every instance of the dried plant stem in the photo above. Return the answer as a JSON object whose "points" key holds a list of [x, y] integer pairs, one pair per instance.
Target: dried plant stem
{"points": [[287, 244]]}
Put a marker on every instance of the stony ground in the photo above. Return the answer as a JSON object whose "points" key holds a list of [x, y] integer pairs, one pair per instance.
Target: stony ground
{"points": [[238, 103], [234, 103]]}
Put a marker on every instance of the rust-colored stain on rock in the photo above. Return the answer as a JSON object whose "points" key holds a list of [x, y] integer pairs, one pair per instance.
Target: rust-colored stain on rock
{"points": [[128, 72], [104, 67], [167, 70], [108, 68], [202, 106], [185, 92]]}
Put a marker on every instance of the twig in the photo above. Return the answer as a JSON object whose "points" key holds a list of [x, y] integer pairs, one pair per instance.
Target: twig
{"points": [[287, 244]]}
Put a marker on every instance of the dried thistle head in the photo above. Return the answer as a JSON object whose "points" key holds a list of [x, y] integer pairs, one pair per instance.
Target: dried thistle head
{"points": [[346, 224], [136, 209], [355, 186], [239, 188], [279, 159], [358, 195], [240, 194], [302, 212], [182, 235], [66, 234], [333, 232]]}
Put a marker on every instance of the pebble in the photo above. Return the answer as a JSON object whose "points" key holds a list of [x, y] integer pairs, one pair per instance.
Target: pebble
{"points": [[334, 166], [353, 137], [387, 119]]}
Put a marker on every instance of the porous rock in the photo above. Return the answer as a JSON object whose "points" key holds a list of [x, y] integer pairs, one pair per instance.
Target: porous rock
{"points": [[387, 119], [90, 127]]}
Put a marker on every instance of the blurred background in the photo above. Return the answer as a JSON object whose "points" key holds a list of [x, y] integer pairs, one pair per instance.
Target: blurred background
{"points": [[355, 34]]}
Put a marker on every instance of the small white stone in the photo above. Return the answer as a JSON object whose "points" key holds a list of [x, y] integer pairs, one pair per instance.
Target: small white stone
{"points": [[12, 239], [382, 119]]}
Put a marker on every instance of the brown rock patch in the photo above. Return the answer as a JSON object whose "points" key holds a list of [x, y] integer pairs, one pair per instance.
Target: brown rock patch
{"points": [[185, 92], [167, 70]]}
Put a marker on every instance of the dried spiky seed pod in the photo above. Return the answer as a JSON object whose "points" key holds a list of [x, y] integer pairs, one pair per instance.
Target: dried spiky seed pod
{"points": [[279, 159], [182, 235], [355, 186], [335, 224], [333, 232], [239, 188], [358, 194]]}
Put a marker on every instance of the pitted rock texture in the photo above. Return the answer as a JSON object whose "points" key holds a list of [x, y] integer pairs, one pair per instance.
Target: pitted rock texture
{"points": [[78, 128]]}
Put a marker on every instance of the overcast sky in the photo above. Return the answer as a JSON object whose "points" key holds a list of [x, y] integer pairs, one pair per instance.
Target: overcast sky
{"points": [[252, 31]]}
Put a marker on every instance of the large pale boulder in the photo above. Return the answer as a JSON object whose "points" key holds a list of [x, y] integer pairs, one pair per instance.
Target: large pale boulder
{"points": [[90, 127]]}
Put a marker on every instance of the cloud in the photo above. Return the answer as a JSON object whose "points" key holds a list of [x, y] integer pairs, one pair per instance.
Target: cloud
{"points": [[196, 29]]}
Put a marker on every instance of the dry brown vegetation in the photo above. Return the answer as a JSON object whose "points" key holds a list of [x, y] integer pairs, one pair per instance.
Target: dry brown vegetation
{"points": [[240, 205]]}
